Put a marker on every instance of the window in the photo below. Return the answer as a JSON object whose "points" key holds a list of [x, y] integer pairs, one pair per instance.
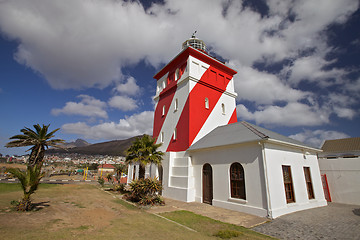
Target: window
{"points": [[289, 189], [206, 103], [237, 181], [177, 74], [162, 137], [223, 108], [175, 134], [163, 111], [308, 183], [176, 105], [164, 84]]}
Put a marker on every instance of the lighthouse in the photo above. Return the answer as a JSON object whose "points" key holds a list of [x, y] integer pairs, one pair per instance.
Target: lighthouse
{"points": [[194, 94], [213, 159]]}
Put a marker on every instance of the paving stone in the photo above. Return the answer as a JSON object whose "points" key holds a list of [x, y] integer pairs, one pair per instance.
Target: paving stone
{"points": [[335, 221]]}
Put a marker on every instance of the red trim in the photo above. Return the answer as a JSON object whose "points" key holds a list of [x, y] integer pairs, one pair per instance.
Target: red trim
{"points": [[197, 54]]}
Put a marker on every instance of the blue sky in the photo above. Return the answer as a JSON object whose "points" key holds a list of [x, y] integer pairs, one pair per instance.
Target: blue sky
{"points": [[87, 66]]}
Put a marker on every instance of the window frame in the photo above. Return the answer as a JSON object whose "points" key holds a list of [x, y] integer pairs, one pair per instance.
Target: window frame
{"points": [[288, 184], [308, 182], [237, 181]]}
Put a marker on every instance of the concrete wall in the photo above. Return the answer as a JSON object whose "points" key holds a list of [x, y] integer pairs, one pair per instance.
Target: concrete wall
{"points": [[297, 159], [220, 159], [343, 175]]}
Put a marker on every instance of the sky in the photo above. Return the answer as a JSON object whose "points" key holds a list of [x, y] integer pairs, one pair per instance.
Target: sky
{"points": [[87, 67]]}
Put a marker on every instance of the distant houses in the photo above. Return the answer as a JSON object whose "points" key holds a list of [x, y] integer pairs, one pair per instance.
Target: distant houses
{"points": [[108, 168]]}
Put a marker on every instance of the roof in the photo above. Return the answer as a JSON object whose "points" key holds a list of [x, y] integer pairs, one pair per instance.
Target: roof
{"points": [[342, 145], [106, 166], [242, 132]]}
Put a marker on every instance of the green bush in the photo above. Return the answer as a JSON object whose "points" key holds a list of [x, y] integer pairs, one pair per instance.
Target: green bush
{"points": [[146, 191]]}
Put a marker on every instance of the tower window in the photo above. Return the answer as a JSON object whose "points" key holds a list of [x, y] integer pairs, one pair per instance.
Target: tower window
{"points": [[162, 137], [177, 74], [163, 111], [175, 134], [164, 84], [206, 103], [223, 108], [176, 105]]}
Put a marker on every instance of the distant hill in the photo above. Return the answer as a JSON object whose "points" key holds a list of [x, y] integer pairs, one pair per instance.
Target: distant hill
{"points": [[77, 143], [111, 148]]}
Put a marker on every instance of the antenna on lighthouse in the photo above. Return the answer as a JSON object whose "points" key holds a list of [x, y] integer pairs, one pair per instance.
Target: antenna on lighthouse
{"points": [[195, 43]]}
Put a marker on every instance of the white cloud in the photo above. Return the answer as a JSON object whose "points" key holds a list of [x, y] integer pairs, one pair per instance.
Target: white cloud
{"points": [[88, 106], [311, 68], [129, 88], [293, 114], [316, 138], [264, 88], [134, 125], [88, 44], [123, 103]]}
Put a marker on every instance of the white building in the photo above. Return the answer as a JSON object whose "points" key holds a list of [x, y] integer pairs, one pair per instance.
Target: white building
{"points": [[212, 158], [340, 162]]}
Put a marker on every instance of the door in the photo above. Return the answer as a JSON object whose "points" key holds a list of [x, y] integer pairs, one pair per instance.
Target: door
{"points": [[207, 184]]}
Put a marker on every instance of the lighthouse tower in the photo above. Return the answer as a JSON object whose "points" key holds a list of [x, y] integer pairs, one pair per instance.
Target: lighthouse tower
{"points": [[194, 95]]}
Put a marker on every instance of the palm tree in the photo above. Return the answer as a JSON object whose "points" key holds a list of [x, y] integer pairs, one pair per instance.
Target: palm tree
{"points": [[119, 169], [144, 151], [39, 140]]}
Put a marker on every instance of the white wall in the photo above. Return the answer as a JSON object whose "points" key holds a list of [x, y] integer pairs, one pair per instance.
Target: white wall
{"points": [[276, 156], [343, 175], [220, 159]]}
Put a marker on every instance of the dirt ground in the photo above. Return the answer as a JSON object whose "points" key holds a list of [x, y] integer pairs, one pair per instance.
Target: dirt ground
{"points": [[83, 211]]}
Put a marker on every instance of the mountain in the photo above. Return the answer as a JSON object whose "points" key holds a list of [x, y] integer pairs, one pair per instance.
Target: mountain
{"points": [[78, 143], [111, 148]]}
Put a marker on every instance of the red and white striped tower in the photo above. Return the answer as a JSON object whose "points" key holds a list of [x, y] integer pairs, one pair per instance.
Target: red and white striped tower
{"points": [[195, 94]]}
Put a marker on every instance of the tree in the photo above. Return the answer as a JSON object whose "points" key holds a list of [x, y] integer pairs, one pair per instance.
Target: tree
{"points": [[120, 169], [144, 151], [40, 141]]}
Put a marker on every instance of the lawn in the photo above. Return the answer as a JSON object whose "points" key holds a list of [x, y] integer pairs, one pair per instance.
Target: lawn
{"points": [[84, 211]]}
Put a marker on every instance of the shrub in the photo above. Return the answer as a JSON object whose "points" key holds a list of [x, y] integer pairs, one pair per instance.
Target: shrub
{"points": [[120, 188], [145, 191], [101, 181]]}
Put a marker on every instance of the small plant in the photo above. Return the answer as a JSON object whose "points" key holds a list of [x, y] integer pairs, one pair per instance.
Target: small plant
{"points": [[120, 188], [227, 234], [101, 181]]}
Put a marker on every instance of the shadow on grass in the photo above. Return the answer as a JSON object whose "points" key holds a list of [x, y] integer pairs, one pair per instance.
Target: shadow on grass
{"points": [[40, 205]]}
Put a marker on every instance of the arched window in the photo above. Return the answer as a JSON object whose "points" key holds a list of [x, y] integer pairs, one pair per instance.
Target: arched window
{"points": [[206, 103], [223, 108], [237, 181]]}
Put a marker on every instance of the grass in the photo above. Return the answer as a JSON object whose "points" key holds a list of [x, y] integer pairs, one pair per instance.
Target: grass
{"points": [[212, 227], [100, 216], [14, 187], [125, 204]]}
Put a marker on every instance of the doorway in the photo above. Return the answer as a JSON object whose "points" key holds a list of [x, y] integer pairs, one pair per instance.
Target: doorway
{"points": [[207, 184]]}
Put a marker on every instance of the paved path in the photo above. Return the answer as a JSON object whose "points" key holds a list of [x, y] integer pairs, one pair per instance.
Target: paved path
{"points": [[335, 221], [221, 214]]}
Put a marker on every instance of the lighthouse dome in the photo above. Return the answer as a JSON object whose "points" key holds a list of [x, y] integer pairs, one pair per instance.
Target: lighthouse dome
{"points": [[195, 43]]}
